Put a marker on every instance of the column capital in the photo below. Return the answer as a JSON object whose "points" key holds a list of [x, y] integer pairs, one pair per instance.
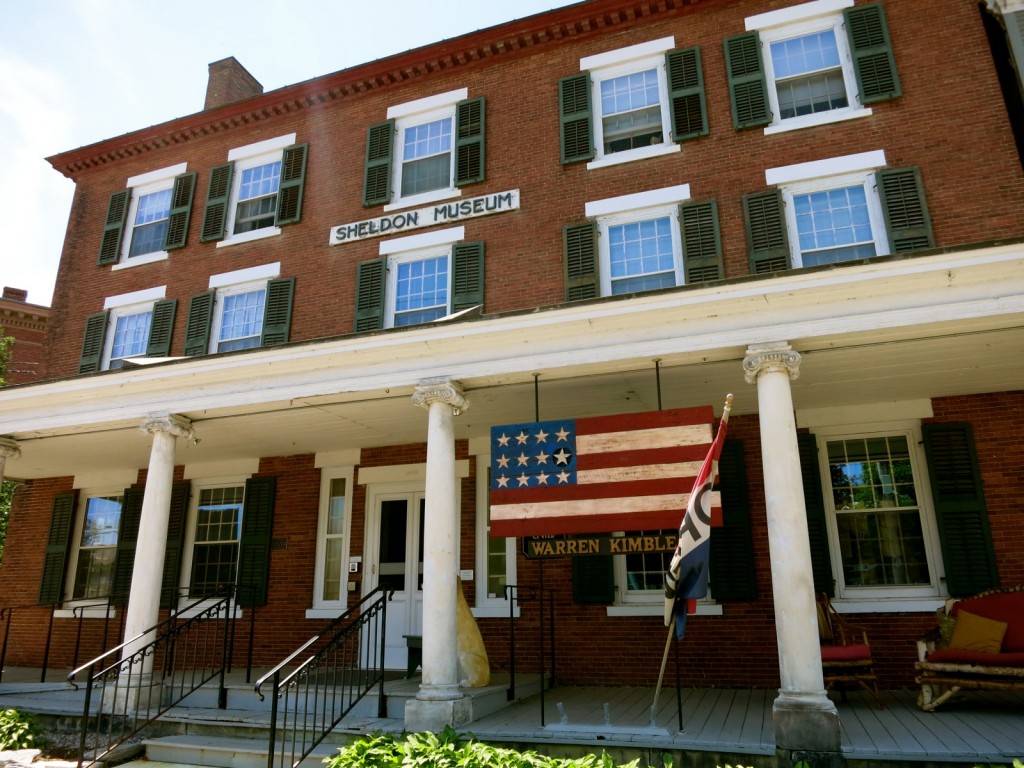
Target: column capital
{"points": [[762, 358], [441, 391], [176, 426], [9, 448]]}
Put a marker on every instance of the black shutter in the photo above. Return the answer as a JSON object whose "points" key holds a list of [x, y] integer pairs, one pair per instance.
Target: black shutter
{"points": [[293, 180], [51, 586], [906, 210], [127, 537], [370, 295], [960, 510], [377, 178], [217, 193], [702, 243], [593, 579], [814, 501], [161, 328], [113, 227], [575, 118], [467, 275], [579, 242], [277, 313], [748, 91], [766, 232], [197, 328], [175, 543], [181, 211], [470, 147], [731, 565], [871, 48], [92, 343], [254, 544], [686, 94]]}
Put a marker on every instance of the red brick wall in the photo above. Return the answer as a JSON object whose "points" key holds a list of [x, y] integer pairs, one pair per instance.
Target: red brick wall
{"points": [[974, 184]]}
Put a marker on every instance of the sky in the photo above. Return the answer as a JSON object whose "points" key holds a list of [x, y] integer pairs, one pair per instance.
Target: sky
{"points": [[74, 72]]}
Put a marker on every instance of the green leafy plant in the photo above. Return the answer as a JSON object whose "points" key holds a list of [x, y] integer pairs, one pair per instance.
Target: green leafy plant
{"points": [[17, 730]]}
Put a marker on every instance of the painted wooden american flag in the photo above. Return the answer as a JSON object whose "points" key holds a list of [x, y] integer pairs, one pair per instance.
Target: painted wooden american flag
{"points": [[628, 472]]}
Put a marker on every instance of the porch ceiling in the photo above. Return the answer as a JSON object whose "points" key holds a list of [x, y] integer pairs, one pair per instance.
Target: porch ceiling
{"points": [[899, 331]]}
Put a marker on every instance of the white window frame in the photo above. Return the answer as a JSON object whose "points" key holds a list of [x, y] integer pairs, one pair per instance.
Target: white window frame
{"points": [[410, 115], [626, 61], [490, 605], [832, 173], [322, 607], [141, 185], [898, 597], [413, 248], [84, 495], [649, 602], [797, 21], [251, 156], [640, 206], [122, 305], [231, 283]]}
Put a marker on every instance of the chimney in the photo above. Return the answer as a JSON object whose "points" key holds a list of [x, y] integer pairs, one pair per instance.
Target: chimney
{"points": [[15, 294], [229, 82]]}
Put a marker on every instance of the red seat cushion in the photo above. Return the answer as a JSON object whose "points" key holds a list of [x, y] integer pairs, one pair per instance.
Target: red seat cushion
{"points": [[964, 656], [1001, 606], [856, 652]]}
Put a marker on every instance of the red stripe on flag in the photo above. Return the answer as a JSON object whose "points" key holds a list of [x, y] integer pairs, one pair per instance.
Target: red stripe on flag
{"points": [[637, 458]]}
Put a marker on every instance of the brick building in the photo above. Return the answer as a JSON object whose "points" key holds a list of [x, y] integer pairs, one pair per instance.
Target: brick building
{"points": [[26, 324], [610, 208]]}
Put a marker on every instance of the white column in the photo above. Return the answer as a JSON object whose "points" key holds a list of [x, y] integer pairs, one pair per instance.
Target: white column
{"points": [[439, 701], [147, 574], [805, 718], [8, 450]]}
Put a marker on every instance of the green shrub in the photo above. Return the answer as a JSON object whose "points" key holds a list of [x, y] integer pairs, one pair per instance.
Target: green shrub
{"points": [[17, 731]]}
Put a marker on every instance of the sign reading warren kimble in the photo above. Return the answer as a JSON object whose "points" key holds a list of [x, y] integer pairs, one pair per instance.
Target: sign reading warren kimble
{"points": [[537, 548], [431, 215]]}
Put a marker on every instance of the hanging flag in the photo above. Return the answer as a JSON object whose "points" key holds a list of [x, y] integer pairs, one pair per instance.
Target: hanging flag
{"points": [[687, 577], [628, 472]]}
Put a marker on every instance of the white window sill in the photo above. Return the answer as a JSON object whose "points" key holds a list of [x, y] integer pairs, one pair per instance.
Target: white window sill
{"points": [[248, 237], [629, 155], [658, 609], [889, 605], [494, 612], [821, 118], [88, 613], [325, 613], [138, 261], [422, 199]]}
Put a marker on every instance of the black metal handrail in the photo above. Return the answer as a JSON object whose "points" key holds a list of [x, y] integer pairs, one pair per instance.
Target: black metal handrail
{"points": [[518, 596], [131, 685], [7, 617], [346, 662]]}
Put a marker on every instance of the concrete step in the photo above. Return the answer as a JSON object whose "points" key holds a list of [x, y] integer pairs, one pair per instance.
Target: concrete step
{"points": [[219, 752]]}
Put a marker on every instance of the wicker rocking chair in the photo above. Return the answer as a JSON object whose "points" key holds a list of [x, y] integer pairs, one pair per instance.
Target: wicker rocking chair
{"points": [[845, 653]]}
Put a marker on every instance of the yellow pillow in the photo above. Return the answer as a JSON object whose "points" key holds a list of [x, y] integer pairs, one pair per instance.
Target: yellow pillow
{"points": [[976, 633]]}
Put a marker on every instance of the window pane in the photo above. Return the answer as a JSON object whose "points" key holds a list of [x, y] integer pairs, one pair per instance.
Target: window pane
{"points": [[257, 197], [646, 571], [808, 77], [241, 320], [131, 337], [421, 291], [833, 225], [150, 225], [218, 528], [641, 256], [631, 111], [97, 551], [426, 156], [334, 553], [877, 515]]}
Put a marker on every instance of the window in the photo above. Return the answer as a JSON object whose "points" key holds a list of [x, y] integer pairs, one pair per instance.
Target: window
{"points": [[258, 191], [425, 150], [643, 573], [419, 279], [495, 557], [131, 325], [244, 309], [836, 210], [97, 547], [810, 64], [148, 218], [632, 103], [218, 530], [332, 554], [642, 242]]}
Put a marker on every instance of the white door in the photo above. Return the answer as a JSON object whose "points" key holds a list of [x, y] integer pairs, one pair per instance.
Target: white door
{"points": [[394, 554]]}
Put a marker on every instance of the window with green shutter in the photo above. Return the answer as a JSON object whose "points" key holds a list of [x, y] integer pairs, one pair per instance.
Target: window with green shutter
{"points": [[113, 227], [579, 242], [370, 283], [161, 328], [377, 175], [277, 315], [293, 180], [906, 210], [180, 212], [218, 191], [467, 275], [702, 242], [748, 92], [470, 134], [575, 118], [767, 239], [254, 542], [197, 328], [686, 94], [62, 517], [873, 60], [92, 343]]}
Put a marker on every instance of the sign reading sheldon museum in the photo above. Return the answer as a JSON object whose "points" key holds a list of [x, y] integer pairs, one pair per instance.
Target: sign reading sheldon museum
{"points": [[429, 216]]}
